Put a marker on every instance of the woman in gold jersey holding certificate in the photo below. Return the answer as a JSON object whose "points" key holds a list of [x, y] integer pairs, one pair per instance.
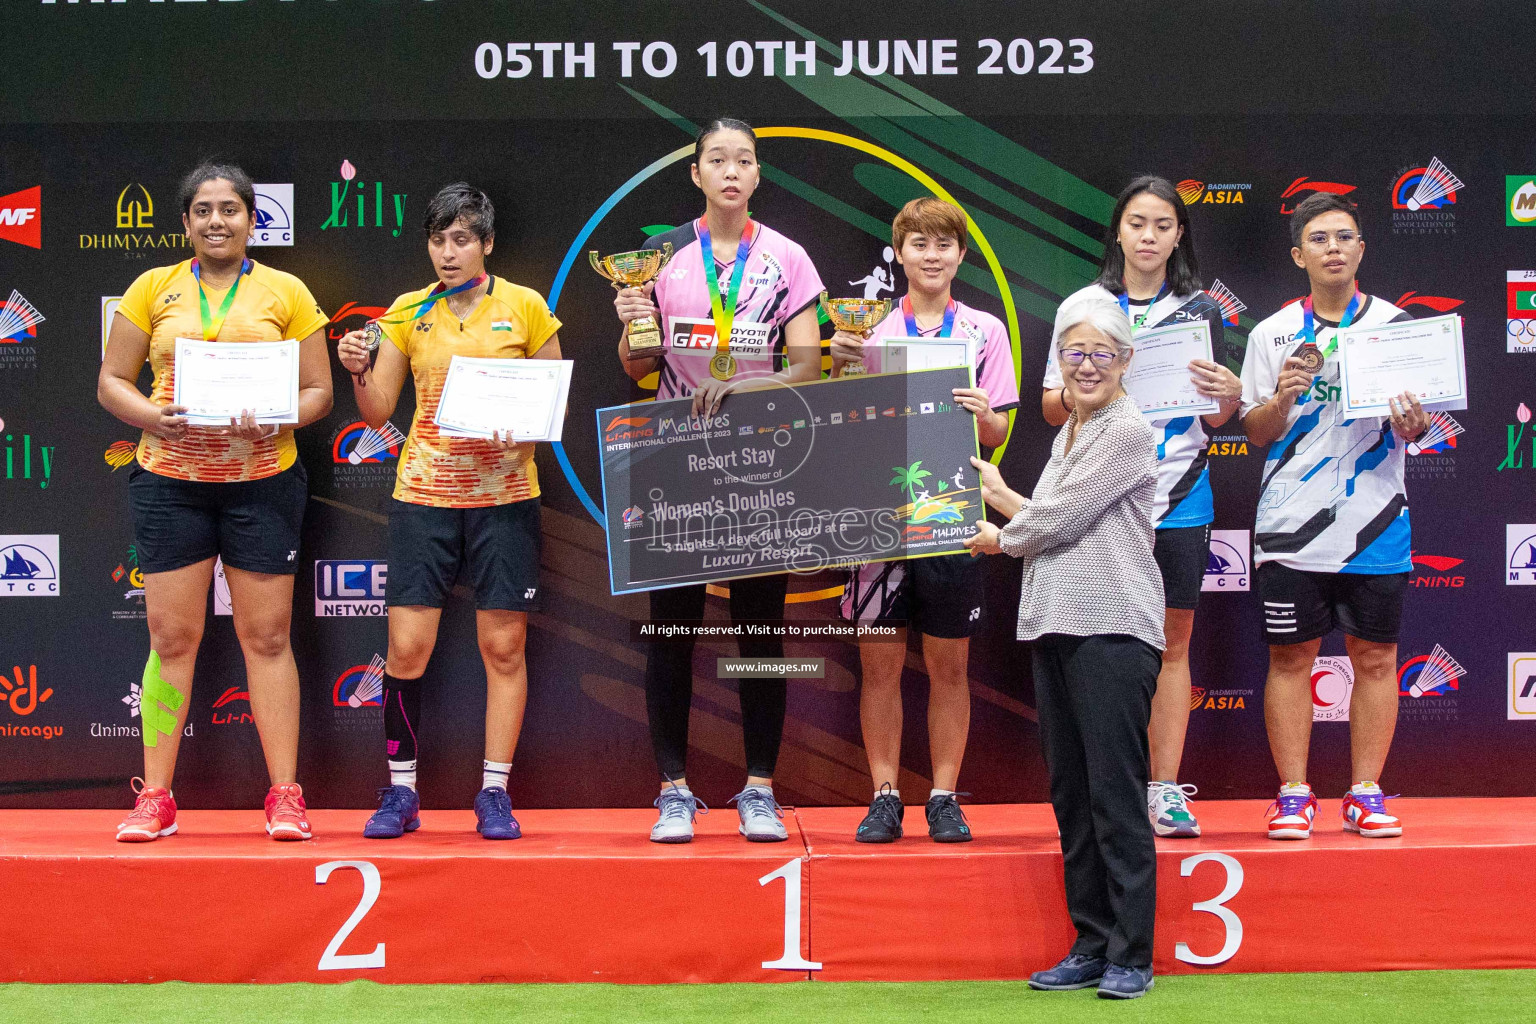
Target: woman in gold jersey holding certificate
{"points": [[463, 506], [205, 490]]}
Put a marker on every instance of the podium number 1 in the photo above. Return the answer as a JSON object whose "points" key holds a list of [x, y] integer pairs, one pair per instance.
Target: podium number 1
{"points": [[791, 960], [330, 960]]}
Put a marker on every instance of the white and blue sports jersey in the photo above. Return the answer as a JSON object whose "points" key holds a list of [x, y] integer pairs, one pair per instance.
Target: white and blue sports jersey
{"points": [[1332, 499], [1183, 476]]}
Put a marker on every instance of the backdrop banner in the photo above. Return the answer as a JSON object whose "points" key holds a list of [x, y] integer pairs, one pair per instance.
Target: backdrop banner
{"points": [[579, 122]]}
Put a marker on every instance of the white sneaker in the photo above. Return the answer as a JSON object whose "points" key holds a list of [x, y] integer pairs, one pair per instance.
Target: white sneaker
{"points": [[760, 814], [1168, 808], [675, 823]]}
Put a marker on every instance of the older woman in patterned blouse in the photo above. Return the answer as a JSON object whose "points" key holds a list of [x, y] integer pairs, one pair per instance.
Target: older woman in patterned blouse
{"points": [[1092, 603]]}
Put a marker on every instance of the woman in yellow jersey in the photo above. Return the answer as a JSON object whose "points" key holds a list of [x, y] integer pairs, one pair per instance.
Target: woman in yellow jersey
{"points": [[236, 491], [461, 505]]}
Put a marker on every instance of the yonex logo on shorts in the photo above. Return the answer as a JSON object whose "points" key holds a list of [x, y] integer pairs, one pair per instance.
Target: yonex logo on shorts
{"points": [[528, 594], [975, 614]]}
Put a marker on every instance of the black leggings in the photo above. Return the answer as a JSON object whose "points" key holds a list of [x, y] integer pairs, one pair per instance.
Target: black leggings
{"points": [[669, 675]]}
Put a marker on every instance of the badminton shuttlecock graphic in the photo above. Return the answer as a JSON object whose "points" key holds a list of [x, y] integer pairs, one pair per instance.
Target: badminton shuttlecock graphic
{"points": [[1440, 430], [18, 315], [1439, 669], [374, 441], [372, 683], [1436, 183]]}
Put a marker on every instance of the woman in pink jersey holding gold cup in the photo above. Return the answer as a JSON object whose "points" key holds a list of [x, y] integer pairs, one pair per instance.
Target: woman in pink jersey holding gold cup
{"points": [[737, 306]]}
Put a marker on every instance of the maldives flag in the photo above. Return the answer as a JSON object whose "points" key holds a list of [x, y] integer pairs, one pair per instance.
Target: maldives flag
{"points": [[1520, 290]]}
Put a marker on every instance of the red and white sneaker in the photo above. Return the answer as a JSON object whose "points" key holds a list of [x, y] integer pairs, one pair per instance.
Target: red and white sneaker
{"points": [[287, 817], [153, 815], [1365, 811], [1291, 815]]}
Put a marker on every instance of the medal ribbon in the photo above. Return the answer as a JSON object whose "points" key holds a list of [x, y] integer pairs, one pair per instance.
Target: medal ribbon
{"points": [[211, 323], [1309, 327], [426, 303], [911, 318], [1124, 298], [723, 310]]}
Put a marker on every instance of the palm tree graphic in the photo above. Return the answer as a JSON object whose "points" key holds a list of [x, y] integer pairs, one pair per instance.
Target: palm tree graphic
{"points": [[910, 478]]}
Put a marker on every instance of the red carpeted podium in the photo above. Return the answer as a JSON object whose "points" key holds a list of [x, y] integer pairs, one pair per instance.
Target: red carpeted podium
{"points": [[585, 897]]}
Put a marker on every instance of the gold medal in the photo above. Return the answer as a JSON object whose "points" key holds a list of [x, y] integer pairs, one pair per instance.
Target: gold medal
{"points": [[723, 366]]}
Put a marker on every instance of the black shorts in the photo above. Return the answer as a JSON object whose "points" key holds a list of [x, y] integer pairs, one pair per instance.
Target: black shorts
{"points": [[495, 550], [251, 524], [1301, 606], [939, 596], [1182, 553]]}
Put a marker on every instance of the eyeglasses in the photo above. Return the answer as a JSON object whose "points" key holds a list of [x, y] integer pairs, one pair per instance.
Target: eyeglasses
{"points": [[1075, 357], [1346, 238]]}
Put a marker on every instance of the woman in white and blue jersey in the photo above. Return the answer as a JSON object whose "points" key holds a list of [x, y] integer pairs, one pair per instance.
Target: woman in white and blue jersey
{"points": [[1149, 269]]}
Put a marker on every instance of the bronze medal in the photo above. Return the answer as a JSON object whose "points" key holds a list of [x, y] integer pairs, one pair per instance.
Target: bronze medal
{"points": [[1311, 357]]}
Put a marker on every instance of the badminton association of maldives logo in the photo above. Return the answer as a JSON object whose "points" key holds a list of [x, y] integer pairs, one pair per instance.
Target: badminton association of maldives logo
{"points": [[1435, 674], [360, 686], [1422, 200]]}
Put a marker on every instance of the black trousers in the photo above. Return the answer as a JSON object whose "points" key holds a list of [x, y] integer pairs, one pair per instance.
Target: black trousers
{"points": [[1094, 697], [669, 675]]}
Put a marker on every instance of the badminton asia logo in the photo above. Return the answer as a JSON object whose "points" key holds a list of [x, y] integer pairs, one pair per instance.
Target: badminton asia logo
{"points": [[1230, 193], [1201, 699], [1520, 311], [1303, 187], [1422, 198], [120, 453], [18, 333], [21, 217], [360, 686]]}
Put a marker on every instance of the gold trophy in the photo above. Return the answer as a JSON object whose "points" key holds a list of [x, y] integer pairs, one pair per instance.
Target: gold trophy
{"points": [[631, 270], [856, 316]]}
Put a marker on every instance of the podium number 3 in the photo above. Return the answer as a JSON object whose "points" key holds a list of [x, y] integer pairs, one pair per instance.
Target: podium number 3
{"points": [[330, 960], [1233, 923], [791, 960]]}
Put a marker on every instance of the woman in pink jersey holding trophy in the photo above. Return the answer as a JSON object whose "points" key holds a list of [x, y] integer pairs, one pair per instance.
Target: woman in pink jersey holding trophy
{"points": [[737, 306]]}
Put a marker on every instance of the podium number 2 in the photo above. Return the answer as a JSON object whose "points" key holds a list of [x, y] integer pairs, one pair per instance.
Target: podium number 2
{"points": [[330, 960], [1233, 923], [791, 960]]}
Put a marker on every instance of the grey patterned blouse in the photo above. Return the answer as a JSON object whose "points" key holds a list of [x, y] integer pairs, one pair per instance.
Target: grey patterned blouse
{"points": [[1086, 534]]}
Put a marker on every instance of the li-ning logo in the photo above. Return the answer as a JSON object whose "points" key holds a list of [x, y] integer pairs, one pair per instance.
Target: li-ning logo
{"points": [[349, 197], [628, 428], [232, 717], [1434, 571], [1302, 187]]}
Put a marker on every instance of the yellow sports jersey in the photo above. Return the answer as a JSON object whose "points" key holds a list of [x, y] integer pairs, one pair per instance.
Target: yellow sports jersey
{"points": [[509, 322], [270, 306]]}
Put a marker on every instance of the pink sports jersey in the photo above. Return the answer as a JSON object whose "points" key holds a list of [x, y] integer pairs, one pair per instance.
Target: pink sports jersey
{"points": [[779, 282], [994, 356]]}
